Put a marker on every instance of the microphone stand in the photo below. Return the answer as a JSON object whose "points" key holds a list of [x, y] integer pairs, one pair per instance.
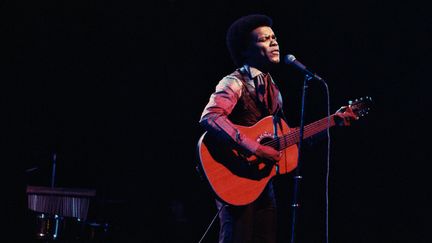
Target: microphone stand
{"points": [[53, 171], [297, 176]]}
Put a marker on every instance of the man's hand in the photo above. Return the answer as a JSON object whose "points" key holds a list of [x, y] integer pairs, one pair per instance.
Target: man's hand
{"points": [[268, 153], [344, 116]]}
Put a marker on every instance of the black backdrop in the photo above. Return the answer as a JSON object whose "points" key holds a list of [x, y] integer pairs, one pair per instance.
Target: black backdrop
{"points": [[116, 90]]}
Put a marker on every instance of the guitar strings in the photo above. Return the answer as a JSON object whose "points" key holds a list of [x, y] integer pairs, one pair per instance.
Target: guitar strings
{"points": [[294, 136], [309, 130]]}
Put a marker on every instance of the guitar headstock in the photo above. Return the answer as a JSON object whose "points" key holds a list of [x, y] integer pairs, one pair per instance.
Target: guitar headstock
{"points": [[361, 107]]}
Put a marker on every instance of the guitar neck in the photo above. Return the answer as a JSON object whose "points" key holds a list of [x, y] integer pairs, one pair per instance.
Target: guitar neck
{"points": [[293, 136]]}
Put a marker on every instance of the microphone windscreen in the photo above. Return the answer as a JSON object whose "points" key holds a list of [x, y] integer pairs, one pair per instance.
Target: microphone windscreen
{"points": [[289, 59]]}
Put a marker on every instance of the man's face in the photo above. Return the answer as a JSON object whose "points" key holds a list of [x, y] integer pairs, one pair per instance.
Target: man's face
{"points": [[263, 48]]}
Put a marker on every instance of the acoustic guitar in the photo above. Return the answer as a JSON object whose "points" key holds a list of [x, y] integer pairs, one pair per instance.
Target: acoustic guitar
{"points": [[237, 181]]}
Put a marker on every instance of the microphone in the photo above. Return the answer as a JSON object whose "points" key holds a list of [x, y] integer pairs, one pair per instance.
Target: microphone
{"points": [[290, 59]]}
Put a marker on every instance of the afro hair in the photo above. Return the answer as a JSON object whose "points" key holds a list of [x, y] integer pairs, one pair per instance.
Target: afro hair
{"points": [[238, 34]]}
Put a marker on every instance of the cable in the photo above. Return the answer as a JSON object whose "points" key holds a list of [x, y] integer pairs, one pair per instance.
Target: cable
{"points": [[211, 223]]}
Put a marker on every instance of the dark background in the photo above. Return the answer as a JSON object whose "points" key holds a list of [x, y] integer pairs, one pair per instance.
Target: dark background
{"points": [[116, 89]]}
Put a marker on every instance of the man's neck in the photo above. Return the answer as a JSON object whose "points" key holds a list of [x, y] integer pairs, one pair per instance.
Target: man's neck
{"points": [[263, 67]]}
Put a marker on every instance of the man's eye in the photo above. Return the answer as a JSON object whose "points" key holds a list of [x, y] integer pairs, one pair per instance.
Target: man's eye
{"points": [[262, 39]]}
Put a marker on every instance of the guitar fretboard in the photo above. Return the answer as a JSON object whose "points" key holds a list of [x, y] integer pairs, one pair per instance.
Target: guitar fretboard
{"points": [[293, 137]]}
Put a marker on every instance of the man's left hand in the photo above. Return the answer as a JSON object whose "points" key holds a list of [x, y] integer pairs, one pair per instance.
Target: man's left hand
{"points": [[344, 116]]}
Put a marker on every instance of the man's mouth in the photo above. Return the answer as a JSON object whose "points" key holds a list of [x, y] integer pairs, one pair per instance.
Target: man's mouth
{"points": [[275, 53]]}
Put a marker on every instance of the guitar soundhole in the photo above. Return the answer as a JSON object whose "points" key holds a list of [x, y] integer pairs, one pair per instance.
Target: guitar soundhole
{"points": [[266, 140], [270, 141]]}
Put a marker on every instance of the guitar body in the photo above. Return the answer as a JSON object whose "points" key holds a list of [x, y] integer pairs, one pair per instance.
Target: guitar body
{"points": [[233, 179]]}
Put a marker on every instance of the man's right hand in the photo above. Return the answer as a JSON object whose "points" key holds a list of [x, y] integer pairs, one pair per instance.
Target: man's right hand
{"points": [[268, 153]]}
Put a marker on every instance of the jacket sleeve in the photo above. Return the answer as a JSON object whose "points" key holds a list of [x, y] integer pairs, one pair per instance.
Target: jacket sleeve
{"points": [[215, 120]]}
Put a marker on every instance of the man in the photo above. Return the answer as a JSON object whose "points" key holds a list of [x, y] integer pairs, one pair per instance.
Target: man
{"points": [[243, 98]]}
